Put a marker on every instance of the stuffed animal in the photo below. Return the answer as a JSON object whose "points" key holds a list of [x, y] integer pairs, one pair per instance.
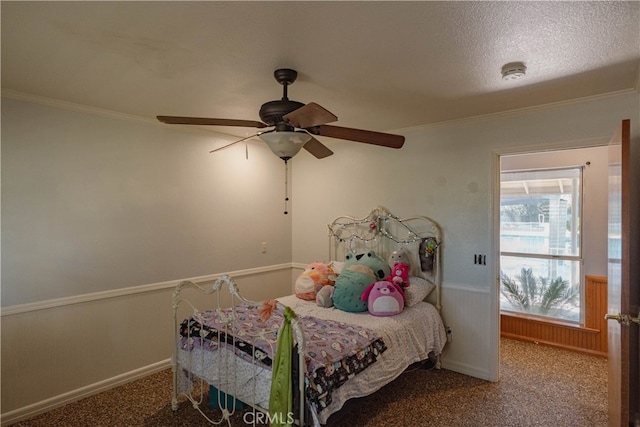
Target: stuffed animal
{"points": [[384, 298], [358, 272], [380, 268], [400, 275], [401, 255], [324, 297], [314, 277]]}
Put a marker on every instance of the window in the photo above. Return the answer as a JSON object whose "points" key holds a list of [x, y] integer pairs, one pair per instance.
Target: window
{"points": [[540, 259]]}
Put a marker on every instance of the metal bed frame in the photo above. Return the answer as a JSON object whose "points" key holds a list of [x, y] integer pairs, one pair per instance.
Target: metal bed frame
{"points": [[383, 232], [216, 288], [379, 230]]}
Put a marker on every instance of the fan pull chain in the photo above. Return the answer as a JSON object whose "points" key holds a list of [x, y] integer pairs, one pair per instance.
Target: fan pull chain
{"points": [[286, 186]]}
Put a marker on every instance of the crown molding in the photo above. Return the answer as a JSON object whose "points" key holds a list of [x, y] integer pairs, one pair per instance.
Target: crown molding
{"points": [[81, 108], [66, 105], [524, 110]]}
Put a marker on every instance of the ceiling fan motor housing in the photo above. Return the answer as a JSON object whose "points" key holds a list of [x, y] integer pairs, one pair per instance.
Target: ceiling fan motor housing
{"points": [[310, 118], [271, 112]]}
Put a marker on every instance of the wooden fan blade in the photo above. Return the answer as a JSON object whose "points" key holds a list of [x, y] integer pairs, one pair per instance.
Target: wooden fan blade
{"points": [[358, 135], [203, 121], [317, 148], [232, 143], [309, 115]]}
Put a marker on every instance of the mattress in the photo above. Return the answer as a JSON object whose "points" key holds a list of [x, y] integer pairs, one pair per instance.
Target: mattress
{"points": [[409, 337]]}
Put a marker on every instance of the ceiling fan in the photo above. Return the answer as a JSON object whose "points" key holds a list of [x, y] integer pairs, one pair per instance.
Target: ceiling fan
{"points": [[294, 125]]}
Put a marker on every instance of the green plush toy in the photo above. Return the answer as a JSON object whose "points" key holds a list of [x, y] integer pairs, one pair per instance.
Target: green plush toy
{"points": [[359, 271]]}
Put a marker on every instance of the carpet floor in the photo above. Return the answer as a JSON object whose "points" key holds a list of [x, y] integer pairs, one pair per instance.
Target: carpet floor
{"points": [[539, 386]]}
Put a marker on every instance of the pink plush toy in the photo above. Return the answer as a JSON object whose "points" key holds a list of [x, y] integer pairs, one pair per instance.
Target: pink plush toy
{"points": [[315, 276], [383, 298], [400, 274]]}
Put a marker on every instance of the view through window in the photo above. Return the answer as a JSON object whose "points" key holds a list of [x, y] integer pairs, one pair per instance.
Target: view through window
{"points": [[540, 247]]}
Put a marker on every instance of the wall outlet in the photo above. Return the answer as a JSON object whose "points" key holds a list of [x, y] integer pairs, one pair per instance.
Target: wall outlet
{"points": [[480, 259], [449, 334], [263, 247]]}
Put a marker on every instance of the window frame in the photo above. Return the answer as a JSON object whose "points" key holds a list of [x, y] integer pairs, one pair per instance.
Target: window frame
{"points": [[574, 258]]}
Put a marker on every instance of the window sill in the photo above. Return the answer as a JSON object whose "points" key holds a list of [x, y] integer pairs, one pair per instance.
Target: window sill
{"points": [[549, 321]]}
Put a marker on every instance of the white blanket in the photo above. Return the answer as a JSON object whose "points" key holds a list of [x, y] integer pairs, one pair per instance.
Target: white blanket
{"points": [[409, 337]]}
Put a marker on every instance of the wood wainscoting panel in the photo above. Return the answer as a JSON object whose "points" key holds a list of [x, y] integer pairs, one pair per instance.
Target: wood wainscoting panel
{"points": [[591, 337]]}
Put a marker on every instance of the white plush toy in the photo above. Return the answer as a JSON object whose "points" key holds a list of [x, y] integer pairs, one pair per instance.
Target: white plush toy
{"points": [[400, 255]]}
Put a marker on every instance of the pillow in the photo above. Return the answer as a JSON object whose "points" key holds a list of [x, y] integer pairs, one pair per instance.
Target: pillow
{"points": [[417, 290], [336, 266]]}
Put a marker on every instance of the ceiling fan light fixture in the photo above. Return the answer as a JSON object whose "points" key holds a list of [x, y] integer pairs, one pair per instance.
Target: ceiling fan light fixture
{"points": [[513, 71], [285, 144], [287, 116]]}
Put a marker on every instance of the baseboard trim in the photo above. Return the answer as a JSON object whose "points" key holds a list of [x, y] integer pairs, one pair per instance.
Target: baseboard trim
{"points": [[75, 395], [463, 368], [590, 352]]}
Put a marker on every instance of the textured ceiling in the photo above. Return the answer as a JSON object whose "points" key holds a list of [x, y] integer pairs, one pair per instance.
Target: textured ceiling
{"points": [[376, 65]]}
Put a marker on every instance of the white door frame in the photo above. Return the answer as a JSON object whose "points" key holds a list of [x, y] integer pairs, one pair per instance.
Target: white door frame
{"points": [[496, 153]]}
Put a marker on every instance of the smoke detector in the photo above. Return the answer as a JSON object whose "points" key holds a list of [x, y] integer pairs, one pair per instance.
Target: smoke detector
{"points": [[513, 71]]}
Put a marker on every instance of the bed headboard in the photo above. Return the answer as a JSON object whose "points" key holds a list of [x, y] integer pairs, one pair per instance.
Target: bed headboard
{"points": [[384, 232]]}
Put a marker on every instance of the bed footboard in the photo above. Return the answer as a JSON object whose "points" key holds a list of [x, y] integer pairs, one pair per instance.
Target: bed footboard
{"points": [[189, 369]]}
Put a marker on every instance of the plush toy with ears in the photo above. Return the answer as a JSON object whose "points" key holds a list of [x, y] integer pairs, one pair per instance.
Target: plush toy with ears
{"points": [[359, 271], [400, 275], [383, 298], [400, 255]]}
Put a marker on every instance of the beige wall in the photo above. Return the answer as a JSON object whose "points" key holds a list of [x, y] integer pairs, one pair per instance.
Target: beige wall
{"points": [[101, 215], [93, 202], [450, 172], [61, 350]]}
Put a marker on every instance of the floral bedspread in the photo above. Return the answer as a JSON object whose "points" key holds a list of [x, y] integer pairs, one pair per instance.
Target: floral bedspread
{"points": [[336, 350]]}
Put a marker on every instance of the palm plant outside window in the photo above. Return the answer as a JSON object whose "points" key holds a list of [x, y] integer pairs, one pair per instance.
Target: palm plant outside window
{"points": [[540, 262]]}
